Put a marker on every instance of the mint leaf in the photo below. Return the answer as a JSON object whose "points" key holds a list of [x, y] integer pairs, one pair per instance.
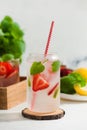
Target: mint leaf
{"points": [[6, 24], [55, 65], [7, 57], [1, 59], [68, 82], [1, 33], [78, 79], [36, 68], [11, 38], [16, 32]]}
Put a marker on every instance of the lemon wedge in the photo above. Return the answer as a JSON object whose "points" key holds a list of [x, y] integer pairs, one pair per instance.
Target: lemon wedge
{"points": [[80, 90], [82, 72]]}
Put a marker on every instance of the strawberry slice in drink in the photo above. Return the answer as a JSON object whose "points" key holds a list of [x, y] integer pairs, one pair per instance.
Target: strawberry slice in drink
{"points": [[39, 83]]}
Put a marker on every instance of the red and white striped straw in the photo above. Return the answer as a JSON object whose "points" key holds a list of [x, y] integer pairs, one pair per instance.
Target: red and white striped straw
{"points": [[49, 38]]}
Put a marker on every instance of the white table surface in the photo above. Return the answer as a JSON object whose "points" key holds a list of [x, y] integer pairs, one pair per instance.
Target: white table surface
{"points": [[75, 118]]}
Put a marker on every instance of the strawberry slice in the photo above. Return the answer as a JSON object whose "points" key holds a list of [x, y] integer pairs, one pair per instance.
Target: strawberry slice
{"points": [[3, 70], [39, 83], [9, 67]]}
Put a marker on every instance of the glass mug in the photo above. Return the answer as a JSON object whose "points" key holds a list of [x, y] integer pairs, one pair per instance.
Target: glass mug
{"points": [[43, 79]]}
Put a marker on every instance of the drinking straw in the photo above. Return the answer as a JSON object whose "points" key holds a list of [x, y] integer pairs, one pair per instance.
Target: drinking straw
{"points": [[49, 38]]}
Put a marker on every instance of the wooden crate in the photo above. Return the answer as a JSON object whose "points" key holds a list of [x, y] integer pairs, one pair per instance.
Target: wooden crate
{"points": [[13, 95]]}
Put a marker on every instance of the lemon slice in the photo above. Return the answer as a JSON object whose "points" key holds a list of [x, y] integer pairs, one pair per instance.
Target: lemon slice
{"points": [[80, 90], [82, 72]]}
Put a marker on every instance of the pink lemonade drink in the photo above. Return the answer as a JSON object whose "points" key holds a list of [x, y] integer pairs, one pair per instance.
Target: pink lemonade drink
{"points": [[43, 83]]}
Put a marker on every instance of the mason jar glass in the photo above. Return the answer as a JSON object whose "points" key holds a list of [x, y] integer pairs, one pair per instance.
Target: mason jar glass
{"points": [[43, 81]]}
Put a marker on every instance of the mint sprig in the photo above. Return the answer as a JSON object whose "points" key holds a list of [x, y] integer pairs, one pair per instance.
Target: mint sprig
{"points": [[55, 66], [37, 67], [11, 39], [68, 82]]}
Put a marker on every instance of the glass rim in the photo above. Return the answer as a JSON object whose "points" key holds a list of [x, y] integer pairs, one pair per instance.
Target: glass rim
{"points": [[42, 54]]}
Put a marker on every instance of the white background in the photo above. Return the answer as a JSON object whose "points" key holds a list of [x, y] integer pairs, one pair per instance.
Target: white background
{"points": [[69, 38]]}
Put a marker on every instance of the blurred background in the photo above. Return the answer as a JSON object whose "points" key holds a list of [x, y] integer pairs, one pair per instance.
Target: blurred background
{"points": [[69, 38]]}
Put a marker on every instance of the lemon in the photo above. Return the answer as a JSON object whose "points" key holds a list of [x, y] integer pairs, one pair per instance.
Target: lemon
{"points": [[80, 90], [82, 72]]}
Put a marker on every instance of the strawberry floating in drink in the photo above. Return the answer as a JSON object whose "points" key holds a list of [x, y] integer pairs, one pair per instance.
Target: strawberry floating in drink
{"points": [[39, 83]]}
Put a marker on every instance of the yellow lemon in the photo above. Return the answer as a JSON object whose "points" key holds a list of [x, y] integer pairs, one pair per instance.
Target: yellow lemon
{"points": [[82, 72], [80, 90]]}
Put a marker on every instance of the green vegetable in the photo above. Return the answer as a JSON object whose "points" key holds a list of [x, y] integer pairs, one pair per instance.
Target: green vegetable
{"points": [[56, 93], [55, 66], [36, 68], [68, 82], [11, 39], [1, 59], [78, 79], [6, 57], [29, 82]]}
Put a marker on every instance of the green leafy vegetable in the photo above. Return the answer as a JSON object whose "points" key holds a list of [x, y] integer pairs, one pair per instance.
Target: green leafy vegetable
{"points": [[6, 57], [78, 78], [11, 39], [36, 68], [68, 82], [55, 65], [1, 59]]}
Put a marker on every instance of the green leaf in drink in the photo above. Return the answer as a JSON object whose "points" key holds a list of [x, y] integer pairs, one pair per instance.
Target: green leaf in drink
{"points": [[55, 66], [37, 67]]}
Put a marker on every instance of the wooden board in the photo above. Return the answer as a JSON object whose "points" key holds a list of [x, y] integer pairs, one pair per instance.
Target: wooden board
{"points": [[59, 113]]}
